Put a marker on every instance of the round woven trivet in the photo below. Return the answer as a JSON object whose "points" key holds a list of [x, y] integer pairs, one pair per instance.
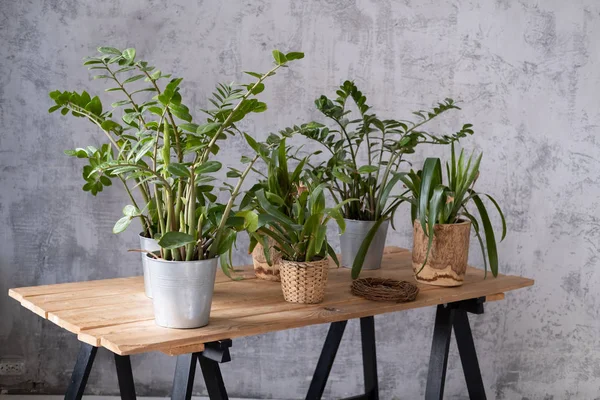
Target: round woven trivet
{"points": [[379, 289]]}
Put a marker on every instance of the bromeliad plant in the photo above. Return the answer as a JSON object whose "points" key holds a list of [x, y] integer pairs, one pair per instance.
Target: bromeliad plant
{"points": [[165, 153], [384, 142], [434, 202]]}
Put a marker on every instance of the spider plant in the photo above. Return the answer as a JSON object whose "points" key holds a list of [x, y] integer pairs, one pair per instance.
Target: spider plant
{"points": [[435, 202]]}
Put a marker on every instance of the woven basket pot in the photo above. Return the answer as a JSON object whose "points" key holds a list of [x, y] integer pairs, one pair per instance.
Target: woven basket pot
{"points": [[447, 262], [304, 282], [262, 269]]}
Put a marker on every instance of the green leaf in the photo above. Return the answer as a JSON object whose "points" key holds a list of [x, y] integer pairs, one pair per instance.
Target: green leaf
{"points": [[294, 55], [250, 218], [129, 54], [134, 78], [173, 240], [368, 169], [490, 239], [254, 74], [109, 50], [94, 106], [121, 224], [178, 170], [364, 247], [208, 167], [54, 108], [259, 107], [252, 143], [279, 57], [205, 129], [131, 211], [120, 103], [257, 88], [431, 178], [189, 127]]}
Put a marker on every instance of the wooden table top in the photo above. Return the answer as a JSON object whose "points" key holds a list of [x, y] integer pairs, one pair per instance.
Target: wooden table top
{"points": [[115, 313]]}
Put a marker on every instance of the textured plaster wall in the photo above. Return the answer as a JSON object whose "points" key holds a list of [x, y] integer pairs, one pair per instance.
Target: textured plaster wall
{"points": [[527, 73]]}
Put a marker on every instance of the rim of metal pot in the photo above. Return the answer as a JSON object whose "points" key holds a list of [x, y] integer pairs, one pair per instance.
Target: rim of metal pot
{"points": [[162, 260], [365, 222], [462, 222]]}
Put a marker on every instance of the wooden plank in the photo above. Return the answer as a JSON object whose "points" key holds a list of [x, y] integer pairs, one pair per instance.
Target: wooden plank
{"points": [[144, 336], [114, 313], [176, 351]]}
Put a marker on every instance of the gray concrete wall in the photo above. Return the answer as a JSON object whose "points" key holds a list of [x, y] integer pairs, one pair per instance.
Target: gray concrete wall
{"points": [[527, 74]]}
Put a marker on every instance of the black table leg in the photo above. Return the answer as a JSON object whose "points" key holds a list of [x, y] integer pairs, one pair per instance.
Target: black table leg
{"points": [[330, 348], [213, 379], [81, 372], [125, 377], [438, 360], [468, 355], [447, 317], [213, 354], [183, 382], [367, 334]]}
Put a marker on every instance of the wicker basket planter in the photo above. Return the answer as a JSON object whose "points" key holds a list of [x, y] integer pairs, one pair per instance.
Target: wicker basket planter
{"points": [[447, 262], [262, 269], [304, 282]]}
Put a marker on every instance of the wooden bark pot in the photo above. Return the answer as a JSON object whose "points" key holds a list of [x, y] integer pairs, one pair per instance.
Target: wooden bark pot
{"points": [[447, 262], [262, 269], [304, 282]]}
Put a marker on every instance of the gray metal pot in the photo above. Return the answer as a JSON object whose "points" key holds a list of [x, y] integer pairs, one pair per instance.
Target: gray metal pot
{"points": [[353, 237], [148, 244], [182, 291]]}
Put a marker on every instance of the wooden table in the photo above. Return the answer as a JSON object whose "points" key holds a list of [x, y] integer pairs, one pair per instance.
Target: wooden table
{"points": [[116, 315]]}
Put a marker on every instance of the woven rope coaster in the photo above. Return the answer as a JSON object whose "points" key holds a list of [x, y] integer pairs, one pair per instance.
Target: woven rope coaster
{"points": [[379, 289]]}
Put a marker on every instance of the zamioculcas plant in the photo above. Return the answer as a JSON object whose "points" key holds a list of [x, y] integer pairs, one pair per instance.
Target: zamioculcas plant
{"points": [[442, 219], [176, 164], [281, 185], [384, 143], [301, 239]]}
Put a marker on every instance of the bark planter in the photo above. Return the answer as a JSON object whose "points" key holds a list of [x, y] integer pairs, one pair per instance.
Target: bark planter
{"points": [[304, 282], [147, 244], [447, 262], [354, 236], [182, 291], [262, 269]]}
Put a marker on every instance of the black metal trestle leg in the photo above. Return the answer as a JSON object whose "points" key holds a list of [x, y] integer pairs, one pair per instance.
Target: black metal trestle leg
{"points": [[125, 377], [209, 359], [330, 348], [81, 372], [83, 366], [454, 315]]}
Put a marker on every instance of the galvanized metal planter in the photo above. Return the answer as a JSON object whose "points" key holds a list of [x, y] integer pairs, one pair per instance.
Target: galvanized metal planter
{"points": [[353, 237], [182, 291], [148, 244]]}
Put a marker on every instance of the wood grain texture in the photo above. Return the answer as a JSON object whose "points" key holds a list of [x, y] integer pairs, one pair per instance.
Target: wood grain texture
{"points": [[115, 314]]}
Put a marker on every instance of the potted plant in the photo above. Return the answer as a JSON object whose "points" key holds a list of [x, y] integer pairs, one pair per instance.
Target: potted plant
{"points": [[194, 228], [385, 144], [281, 185], [442, 220], [131, 139], [301, 239]]}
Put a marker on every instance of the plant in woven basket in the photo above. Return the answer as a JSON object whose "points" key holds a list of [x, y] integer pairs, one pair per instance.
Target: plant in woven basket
{"points": [[301, 238], [435, 203], [384, 143], [281, 186]]}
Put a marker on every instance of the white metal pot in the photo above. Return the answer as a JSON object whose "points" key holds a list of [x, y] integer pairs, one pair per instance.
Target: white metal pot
{"points": [[147, 244], [182, 291], [353, 237]]}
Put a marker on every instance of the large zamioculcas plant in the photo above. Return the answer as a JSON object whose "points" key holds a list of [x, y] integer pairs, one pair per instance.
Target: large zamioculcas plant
{"points": [[163, 151], [435, 202], [383, 142]]}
